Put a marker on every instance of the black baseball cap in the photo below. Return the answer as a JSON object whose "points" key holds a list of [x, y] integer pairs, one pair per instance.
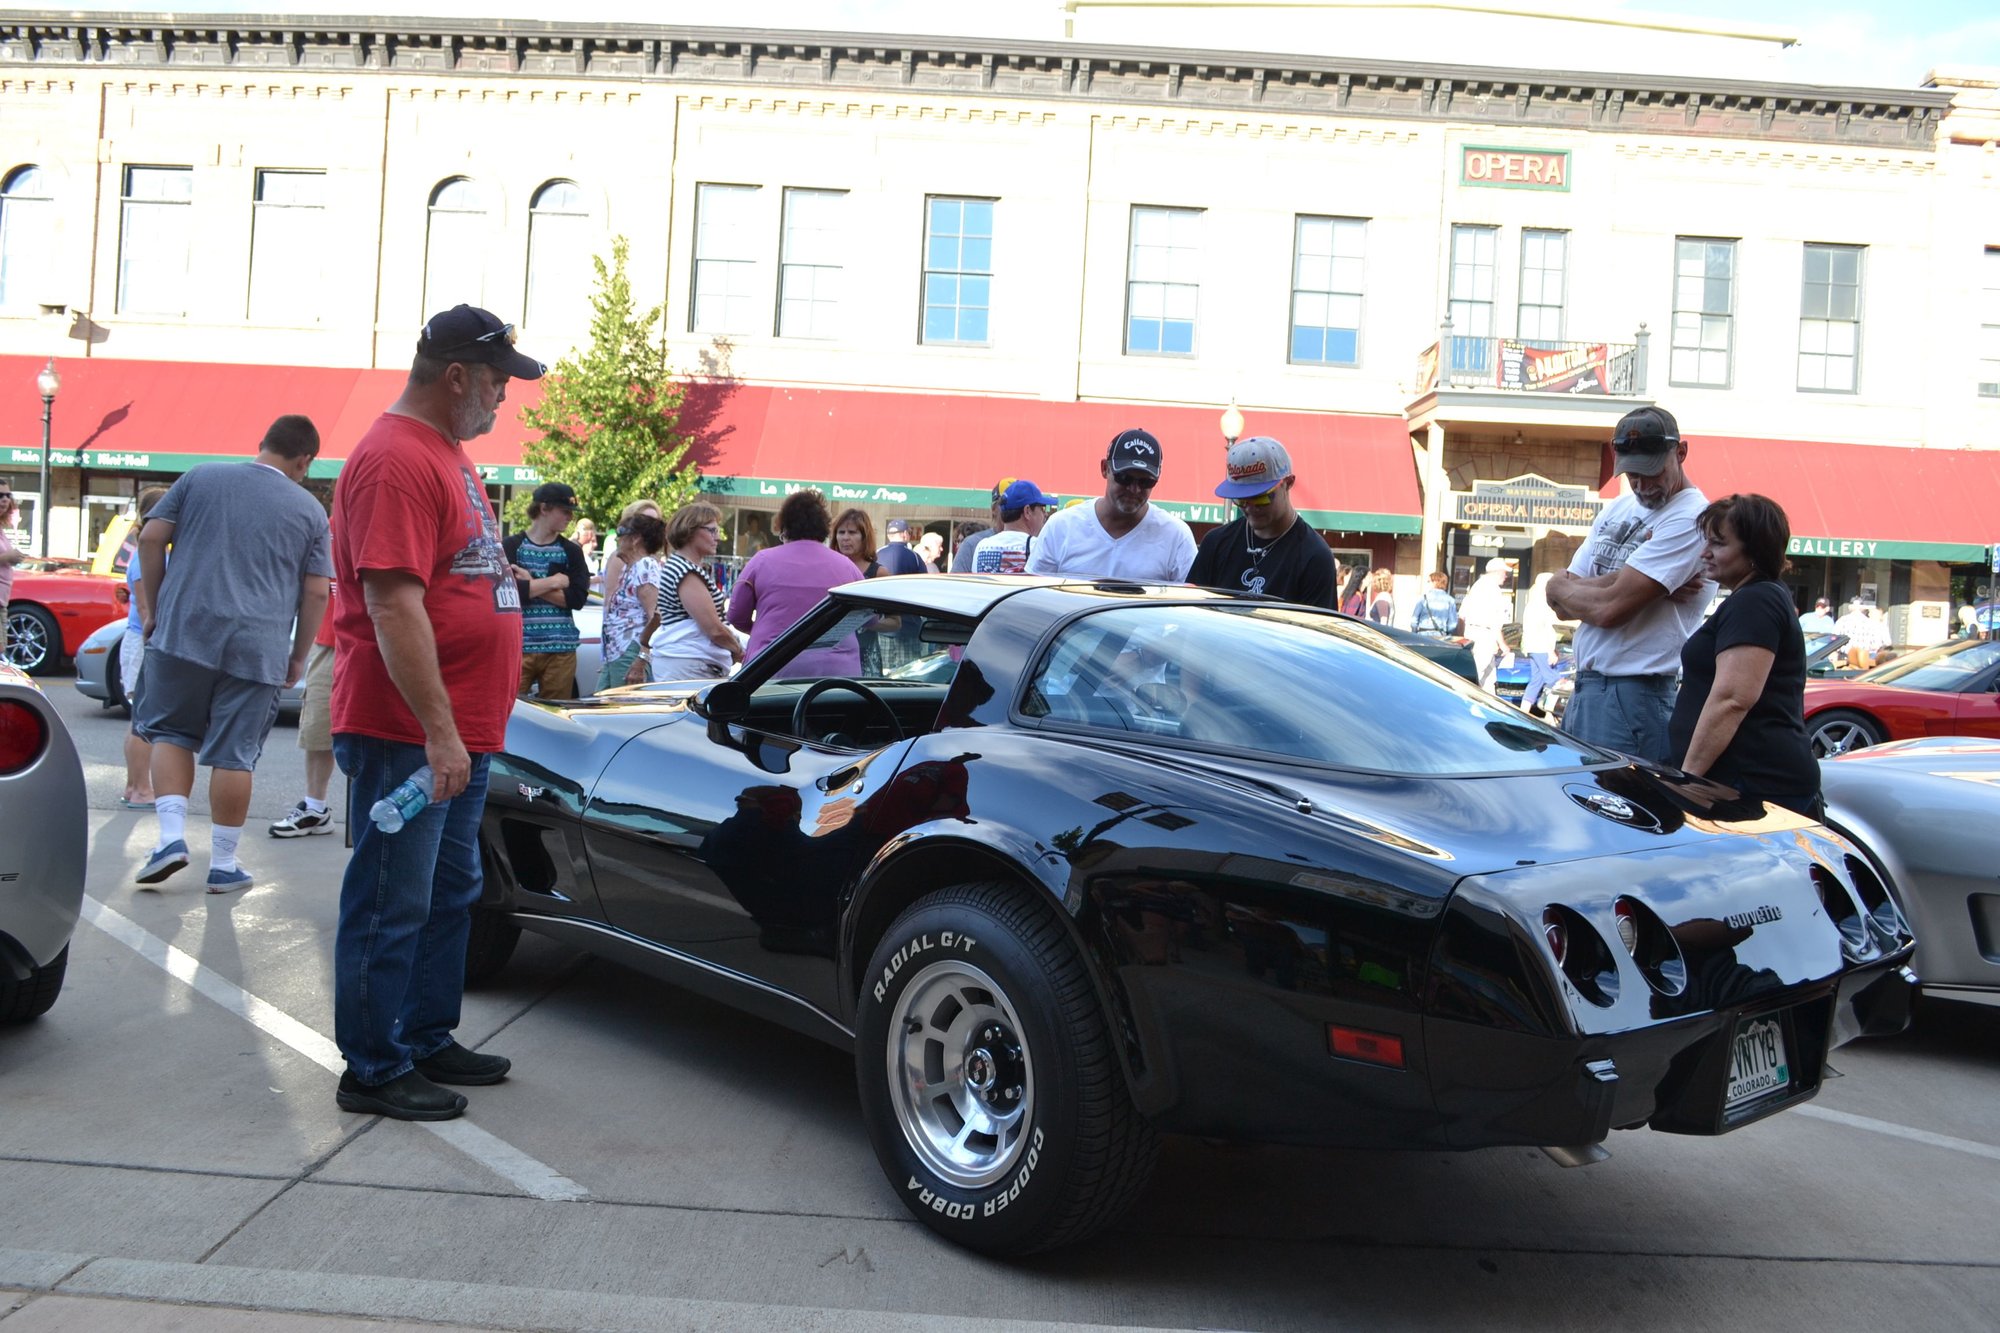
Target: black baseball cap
{"points": [[1643, 440], [467, 333], [1135, 451], [555, 495]]}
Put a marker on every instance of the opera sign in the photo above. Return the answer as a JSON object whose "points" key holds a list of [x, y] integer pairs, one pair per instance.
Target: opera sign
{"points": [[1526, 501], [1514, 168]]}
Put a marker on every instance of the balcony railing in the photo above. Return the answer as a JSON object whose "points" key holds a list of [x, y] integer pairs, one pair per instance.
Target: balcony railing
{"points": [[1527, 365]]}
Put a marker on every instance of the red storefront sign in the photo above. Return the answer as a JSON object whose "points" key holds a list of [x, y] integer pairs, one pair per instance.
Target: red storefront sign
{"points": [[1514, 168]]}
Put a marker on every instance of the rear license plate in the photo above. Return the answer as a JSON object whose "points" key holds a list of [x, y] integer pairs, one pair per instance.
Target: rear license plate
{"points": [[1759, 1065]]}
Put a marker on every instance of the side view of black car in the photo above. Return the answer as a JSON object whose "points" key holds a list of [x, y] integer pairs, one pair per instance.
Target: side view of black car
{"points": [[1126, 859]]}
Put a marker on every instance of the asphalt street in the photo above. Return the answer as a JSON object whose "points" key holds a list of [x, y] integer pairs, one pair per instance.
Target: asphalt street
{"points": [[169, 1139]]}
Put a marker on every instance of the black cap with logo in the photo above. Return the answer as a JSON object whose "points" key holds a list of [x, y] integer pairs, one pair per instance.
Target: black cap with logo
{"points": [[467, 333]]}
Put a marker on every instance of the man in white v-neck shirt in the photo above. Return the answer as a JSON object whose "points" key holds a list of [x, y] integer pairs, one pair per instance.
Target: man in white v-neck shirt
{"points": [[1122, 534]]}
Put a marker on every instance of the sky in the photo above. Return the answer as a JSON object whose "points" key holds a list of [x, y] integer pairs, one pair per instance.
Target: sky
{"points": [[1841, 41]]}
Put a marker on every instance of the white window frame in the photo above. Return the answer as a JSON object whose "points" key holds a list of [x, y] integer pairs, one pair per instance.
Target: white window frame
{"points": [[458, 225], [1327, 283], [810, 274], [950, 268], [1701, 336], [1828, 338], [1163, 276], [559, 278], [722, 291], [155, 240], [1534, 312], [27, 235], [287, 249], [1474, 261]]}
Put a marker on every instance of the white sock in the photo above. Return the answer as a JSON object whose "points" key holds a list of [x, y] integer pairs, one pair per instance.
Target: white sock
{"points": [[222, 846], [172, 812], [317, 807]]}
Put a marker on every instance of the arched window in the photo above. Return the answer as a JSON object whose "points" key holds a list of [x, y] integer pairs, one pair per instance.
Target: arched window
{"points": [[27, 222], [455, 246], [560, 279]]}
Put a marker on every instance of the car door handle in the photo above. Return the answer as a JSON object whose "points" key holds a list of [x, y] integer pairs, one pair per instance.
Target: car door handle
{"points": [[835, 781]]}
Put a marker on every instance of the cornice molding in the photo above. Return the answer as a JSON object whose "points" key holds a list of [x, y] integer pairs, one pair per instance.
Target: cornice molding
{"points": [[1184, 81]]}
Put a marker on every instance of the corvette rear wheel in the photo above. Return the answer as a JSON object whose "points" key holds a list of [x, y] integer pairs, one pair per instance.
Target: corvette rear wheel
{"points": [[23, 1000], [491, 940], [988, 1077], [1840, 730], [33, 640]]}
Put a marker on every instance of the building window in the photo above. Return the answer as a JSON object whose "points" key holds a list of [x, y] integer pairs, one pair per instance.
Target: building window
{"points": [[958, 270], [1989, 325], [725, 259], [1327, 255], [27, 233], [1830, 318], [1544, 259], [154, 240], [455, 246], [1163, 281], [288, 248], [560, 276], [1704, 311], [809, 265], [1471, 297]]}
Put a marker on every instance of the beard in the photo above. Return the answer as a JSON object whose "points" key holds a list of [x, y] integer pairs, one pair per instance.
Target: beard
{"points": [[469, 420]]}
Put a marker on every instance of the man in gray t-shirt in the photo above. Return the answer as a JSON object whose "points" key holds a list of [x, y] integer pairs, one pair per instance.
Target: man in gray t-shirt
{"points": [[227, 627]]}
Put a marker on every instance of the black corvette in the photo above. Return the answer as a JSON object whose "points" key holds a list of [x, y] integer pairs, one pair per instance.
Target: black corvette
{"points": [[1124, 859]]}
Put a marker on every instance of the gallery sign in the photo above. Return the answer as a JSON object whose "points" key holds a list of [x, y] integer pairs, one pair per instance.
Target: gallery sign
{"points": [[1530, 500], [1514, 168]]}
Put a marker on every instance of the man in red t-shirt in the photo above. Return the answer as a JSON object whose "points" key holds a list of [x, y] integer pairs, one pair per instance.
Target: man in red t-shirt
{"points": [[427, 643]]}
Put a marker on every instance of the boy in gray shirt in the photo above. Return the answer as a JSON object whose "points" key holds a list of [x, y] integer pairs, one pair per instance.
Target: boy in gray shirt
{"points": [[230, 625]]}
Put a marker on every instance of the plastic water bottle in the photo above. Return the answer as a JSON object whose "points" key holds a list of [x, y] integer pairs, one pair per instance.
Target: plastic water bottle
{"points": [[400, 806]]}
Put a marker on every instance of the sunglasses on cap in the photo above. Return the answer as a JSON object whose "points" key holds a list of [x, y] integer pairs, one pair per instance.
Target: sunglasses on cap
{"points": [[1136, 480], [504, 333], [1651, 442]]}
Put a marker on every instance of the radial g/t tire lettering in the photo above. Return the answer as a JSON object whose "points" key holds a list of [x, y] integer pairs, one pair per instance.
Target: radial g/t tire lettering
{"points": [[988, 1077]]}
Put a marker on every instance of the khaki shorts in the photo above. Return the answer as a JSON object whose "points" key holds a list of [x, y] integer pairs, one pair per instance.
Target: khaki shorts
{"points": [[316, 710], [555, 672]]}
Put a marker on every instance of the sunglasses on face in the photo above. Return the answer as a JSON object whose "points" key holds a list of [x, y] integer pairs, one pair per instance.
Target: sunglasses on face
{"points": [[1255, 501], [1138, 481]]}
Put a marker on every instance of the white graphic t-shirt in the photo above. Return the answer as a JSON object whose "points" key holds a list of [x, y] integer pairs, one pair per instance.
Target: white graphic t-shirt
{"points": [[1663, 544], [1002, 552]]}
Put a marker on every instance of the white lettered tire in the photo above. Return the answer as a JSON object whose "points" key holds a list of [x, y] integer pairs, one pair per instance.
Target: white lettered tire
{"points": [[988, 1077]]}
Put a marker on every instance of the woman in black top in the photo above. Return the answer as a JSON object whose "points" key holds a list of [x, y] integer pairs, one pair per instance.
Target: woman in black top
{"points": [[1740, 717]]}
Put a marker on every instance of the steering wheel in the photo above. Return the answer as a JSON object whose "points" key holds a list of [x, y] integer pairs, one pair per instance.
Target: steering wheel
{"points": [[868, 696]]}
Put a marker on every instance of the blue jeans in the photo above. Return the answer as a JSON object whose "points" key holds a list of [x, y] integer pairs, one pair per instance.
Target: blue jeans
{"points": [[405, 911], [1624, 713], [1540, 676]]}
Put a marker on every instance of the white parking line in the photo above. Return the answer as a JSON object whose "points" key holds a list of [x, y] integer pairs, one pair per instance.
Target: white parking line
{"points": [[1896, 1131], [496, 1155]]}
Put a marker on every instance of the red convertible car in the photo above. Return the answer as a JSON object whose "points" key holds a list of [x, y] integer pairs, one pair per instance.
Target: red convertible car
{"points": [[1950, 690], [54, 608]]}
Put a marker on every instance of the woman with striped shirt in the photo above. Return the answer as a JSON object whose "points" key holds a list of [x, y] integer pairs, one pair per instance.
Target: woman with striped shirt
{"points": [[691, 642]]}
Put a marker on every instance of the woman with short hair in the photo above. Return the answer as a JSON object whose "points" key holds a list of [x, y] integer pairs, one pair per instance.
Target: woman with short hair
{"points": [[1740, 716], [1382, 604], [782, 584], [690, 641], [612, 572], [631, 607]]}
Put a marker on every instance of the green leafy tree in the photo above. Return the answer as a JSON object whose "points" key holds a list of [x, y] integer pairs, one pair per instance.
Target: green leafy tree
{"points": [[610, 412]]}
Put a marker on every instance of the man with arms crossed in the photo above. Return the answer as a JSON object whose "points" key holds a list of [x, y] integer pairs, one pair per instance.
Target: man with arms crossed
{"points": [[427, 633], [1636, 586], [1121, 535], [226, 628]]}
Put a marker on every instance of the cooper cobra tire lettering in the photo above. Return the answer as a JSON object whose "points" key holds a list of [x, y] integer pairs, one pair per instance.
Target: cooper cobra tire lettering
{"points": [[946, 939]]}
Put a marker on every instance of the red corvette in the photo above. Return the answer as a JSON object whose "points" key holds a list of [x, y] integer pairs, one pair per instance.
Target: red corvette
{"points": [[54, 608], [1950, 690]]}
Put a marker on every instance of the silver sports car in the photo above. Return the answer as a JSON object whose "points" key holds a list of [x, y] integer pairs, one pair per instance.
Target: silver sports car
{"points": [[43, 834], [1926, 811]]}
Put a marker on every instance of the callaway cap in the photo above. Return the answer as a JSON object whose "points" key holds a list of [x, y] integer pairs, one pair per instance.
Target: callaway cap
{"points": [[467, 333], [1020, 494], [1255, 465], [1643, 441], [1135, 451]]}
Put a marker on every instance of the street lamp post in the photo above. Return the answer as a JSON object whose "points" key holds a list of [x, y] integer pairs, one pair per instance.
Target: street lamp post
{"points": [[1232, 423], [47, 382]]}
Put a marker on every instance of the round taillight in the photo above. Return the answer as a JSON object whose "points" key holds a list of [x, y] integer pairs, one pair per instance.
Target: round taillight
{"points": [[22, 735], [1628, 928], [1557, 934]]}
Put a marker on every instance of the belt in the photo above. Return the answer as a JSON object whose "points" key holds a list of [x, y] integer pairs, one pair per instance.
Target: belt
{"points": [[1599, 675]]}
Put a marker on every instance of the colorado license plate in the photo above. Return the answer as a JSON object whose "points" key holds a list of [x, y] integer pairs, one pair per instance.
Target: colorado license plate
{"points": [[1758, 1064]]}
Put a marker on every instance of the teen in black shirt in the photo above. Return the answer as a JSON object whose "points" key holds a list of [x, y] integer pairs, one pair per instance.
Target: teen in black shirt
{"points": [[1269, 549]]}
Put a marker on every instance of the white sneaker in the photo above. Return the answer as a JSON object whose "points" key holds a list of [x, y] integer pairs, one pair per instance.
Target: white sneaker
{"points": [[302, 822]]}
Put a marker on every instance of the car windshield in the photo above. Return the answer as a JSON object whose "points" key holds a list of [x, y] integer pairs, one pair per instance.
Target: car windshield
{"points": [[1949, 667], [1287, 683]]}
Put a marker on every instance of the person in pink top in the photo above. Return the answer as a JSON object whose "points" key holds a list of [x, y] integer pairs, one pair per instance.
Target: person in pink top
{"points": [[781, 584]]}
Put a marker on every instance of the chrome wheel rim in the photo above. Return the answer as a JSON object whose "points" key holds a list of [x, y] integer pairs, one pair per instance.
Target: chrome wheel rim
{"points": [[1837, 738], [961, 1074], [27, 643]]}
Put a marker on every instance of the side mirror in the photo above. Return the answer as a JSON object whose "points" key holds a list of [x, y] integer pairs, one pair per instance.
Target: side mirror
{"points": [[724, 701]]}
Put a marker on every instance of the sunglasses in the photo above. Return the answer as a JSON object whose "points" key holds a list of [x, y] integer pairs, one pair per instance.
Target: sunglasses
{"points": [[715, 528], [1255, 501], [504, 332], [1135, 480]]}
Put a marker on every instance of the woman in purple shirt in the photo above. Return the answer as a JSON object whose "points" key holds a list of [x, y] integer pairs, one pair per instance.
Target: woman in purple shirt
{"points": [[781, 584]]}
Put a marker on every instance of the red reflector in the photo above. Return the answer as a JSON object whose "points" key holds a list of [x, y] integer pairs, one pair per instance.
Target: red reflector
{"points": [[1377, 1048], [21, 735]]}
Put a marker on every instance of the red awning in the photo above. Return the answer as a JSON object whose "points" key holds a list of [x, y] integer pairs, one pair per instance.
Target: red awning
{"points": [[1861, 500], [1355, 472]]}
